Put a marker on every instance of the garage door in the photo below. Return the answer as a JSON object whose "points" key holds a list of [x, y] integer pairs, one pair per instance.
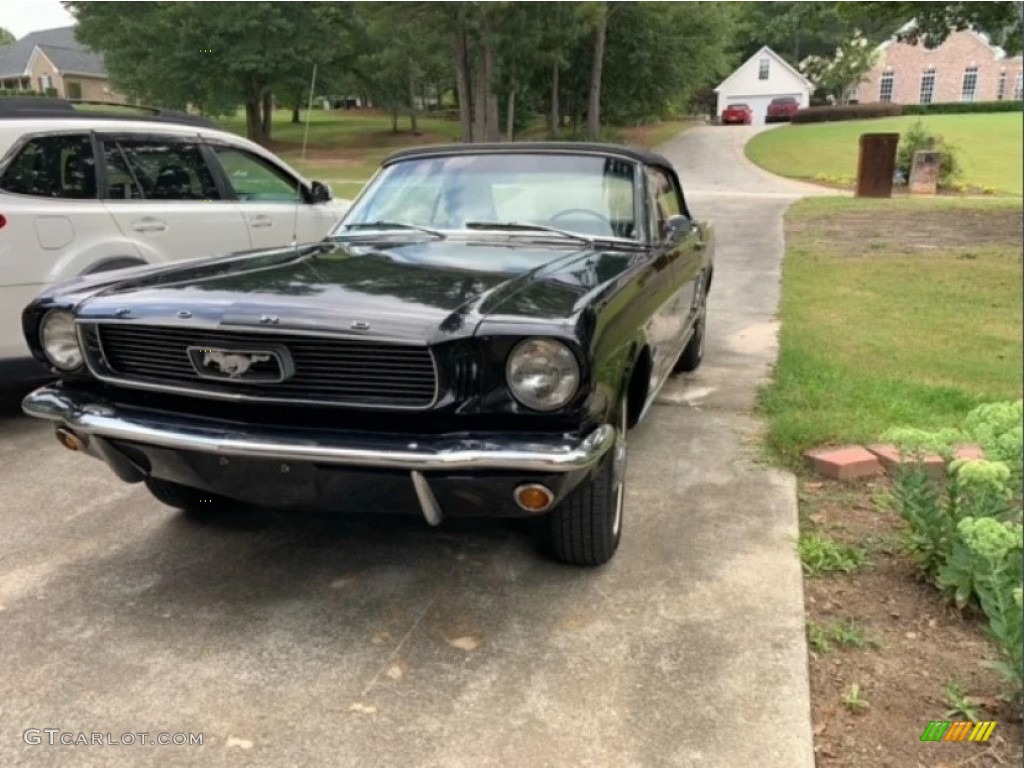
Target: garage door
{"points": [[760, 103]]}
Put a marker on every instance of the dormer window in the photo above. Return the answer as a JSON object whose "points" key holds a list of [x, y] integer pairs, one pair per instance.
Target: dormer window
{"points": [[762, 69]]}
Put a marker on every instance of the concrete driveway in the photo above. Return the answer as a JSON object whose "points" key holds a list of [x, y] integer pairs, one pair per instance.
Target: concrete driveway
{"points": [[369, 642]]}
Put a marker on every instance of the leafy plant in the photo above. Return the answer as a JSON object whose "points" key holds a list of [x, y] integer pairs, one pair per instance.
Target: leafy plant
{"points": [[960, 704], [845, 634], [997, 427], [820, 554], [853, 699], [991, 555], [968, 537], [916, 139], [930, 535]]}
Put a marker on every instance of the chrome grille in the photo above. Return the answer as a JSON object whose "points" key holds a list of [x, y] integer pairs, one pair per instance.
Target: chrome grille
{"points": [[327, 370]]}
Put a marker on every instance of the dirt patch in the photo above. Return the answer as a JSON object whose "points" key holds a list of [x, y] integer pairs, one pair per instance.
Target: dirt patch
{"points": [[904, 230], [917, 644]]}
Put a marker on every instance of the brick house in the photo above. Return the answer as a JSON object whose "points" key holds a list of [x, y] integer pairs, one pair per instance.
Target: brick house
{"points": [[966, 67], [53, 58]]}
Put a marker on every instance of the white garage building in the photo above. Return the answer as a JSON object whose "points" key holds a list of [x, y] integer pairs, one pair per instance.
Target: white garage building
{"points": [[761, 78]]}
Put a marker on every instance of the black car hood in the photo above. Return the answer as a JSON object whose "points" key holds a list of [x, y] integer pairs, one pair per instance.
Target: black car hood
{"points": [[407, 290]]}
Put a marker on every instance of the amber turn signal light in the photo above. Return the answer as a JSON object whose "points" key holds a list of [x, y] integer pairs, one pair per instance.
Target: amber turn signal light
{"points": [[533, 498], [69, 440]]}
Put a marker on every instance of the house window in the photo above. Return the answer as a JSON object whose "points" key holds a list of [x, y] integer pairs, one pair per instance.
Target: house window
{"points": [[885, 86], [928, 87], [74, 90], [1001, 88], [970, 84], [1018, 89], [762, 70]]}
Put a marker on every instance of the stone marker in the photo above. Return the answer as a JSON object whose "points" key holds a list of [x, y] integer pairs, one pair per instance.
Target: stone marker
{"points": [[924, 172]]}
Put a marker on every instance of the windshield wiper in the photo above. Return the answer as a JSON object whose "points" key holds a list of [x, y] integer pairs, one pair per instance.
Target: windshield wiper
{"points": [[387, 224], [522, 226]]}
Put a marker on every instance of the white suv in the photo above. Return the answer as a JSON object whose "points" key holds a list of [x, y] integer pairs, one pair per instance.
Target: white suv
{"points": [[83, 193]]}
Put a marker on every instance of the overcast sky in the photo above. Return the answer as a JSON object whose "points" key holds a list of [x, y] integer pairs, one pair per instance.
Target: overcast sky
{"points": [[23, 16]]}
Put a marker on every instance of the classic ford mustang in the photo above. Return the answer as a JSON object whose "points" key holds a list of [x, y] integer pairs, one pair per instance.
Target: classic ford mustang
{"points": [[475, 337]]}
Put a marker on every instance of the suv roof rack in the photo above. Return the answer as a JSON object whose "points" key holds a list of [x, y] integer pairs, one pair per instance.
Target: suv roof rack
{"points": [[12, 107]]}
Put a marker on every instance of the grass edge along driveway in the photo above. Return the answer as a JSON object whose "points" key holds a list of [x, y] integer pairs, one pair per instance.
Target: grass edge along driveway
{"points": [[894, 313], [989, 145]]}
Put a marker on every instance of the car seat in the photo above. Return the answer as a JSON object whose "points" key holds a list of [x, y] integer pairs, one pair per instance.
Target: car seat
{"points": [[172, 183]]}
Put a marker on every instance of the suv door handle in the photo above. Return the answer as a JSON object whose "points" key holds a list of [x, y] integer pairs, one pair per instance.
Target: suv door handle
{"points": [[260, 222], [149, 224]]}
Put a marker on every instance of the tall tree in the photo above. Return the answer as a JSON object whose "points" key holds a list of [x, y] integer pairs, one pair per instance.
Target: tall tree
{"points": [[596, 69], [1003, 22], [6, 38], [175, 53], [840, 74]]}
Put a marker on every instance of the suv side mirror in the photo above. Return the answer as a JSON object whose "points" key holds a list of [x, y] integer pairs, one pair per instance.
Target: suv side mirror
{"points": [[678, 226], [319, 192]]}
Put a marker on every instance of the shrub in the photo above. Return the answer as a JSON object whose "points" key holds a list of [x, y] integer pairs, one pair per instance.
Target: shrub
{"points": [[958, 107], [916, 139], [968, 537], [846, 112]]}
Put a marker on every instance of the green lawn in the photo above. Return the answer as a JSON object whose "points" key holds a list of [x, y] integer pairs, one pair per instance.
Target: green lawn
{"points": [[894, 313], [345, 147], [990, 147]]}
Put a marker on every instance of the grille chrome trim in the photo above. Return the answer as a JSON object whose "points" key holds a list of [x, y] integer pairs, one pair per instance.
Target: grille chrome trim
{"points": [[99, 364]]}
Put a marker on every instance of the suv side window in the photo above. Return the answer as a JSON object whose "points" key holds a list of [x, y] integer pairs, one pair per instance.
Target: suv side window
{"points": [[59, 166], [169, 170], [255, 180], [121, 182]]}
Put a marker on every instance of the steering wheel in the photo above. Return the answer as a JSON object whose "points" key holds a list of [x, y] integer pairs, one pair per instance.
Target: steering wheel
{"points": [[584, 211]]}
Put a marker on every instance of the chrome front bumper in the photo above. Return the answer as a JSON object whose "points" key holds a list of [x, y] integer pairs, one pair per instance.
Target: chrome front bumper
{"points": [[88, 415]]}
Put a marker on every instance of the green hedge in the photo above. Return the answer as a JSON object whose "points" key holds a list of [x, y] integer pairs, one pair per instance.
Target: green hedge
{"points": [[847, 112], [957, 107], [16, 92]]}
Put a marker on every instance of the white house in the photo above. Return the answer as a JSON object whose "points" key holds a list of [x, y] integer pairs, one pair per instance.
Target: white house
{"points": [[761, 78]]}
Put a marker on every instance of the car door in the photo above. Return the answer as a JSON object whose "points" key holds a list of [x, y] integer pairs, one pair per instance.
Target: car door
{"points": [[165, 197], [274, 203], [688, 243], [671, 293]]}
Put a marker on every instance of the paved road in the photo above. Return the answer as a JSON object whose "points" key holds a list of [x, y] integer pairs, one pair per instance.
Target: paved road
{"points": [[361, 642]]}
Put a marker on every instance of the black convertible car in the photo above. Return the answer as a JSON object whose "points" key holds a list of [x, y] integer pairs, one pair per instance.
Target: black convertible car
{"points": [[475, 338]]}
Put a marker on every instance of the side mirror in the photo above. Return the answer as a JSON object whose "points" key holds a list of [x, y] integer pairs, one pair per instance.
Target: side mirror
{"points": [[319, 192], [678, 226]]}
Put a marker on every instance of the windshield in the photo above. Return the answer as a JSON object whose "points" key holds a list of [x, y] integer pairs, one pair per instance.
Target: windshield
{"points": [[583, 194]]}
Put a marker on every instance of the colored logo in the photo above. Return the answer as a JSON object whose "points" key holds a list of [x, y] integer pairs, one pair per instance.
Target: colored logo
{"points": [[944, 730]]}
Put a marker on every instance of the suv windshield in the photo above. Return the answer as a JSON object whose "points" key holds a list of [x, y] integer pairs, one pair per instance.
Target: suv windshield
{"points": [[584, 194]]}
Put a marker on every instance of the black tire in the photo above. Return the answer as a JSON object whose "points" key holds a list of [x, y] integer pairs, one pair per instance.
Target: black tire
{"points": [[586, 528], [693, 352], [191, 500]]}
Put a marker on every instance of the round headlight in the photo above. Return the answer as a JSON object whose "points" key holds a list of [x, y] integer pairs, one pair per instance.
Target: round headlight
{"points": [[60, 341], [542, 373]]}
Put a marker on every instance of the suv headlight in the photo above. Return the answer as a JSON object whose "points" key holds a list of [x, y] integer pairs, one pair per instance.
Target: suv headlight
{"points": [[542, 374], [60, 340]]}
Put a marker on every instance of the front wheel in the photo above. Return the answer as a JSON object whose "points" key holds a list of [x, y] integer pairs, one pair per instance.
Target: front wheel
{"points": [[585, 529]]}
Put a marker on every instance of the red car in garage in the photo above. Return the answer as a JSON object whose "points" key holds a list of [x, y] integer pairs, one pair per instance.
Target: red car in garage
{"points": [[737, 114], [781, 110]]}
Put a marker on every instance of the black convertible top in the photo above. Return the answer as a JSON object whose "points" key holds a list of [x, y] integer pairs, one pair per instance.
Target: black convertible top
{"points": [[519, 147]]}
